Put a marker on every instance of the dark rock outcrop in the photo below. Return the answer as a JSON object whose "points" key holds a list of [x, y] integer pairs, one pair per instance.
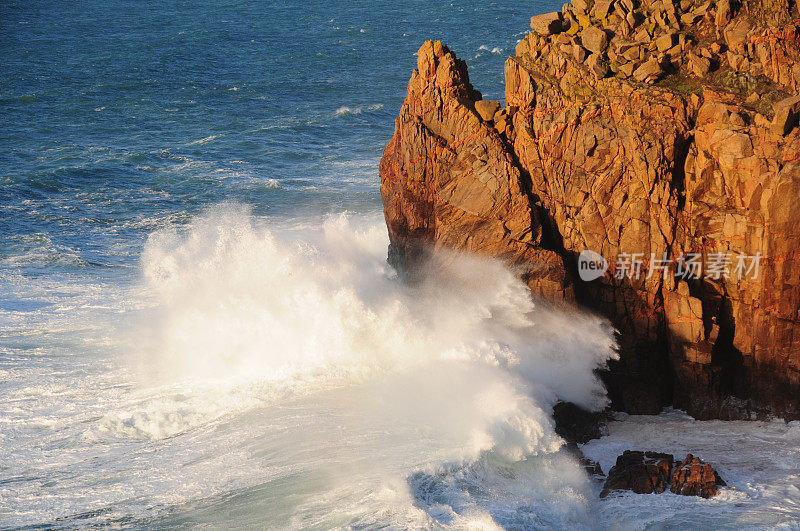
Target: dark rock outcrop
{"points": [[654, 472], [577, 425], [629, 155], [640, 472], [592, 468]]}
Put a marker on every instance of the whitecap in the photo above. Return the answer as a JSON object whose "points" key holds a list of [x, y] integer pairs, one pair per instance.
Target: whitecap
{"points": [[203, 141], [496, 50], [344, 111]]}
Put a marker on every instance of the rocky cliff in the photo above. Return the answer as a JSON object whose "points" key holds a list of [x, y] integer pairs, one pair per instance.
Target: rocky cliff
{"points": [[661, 135]]}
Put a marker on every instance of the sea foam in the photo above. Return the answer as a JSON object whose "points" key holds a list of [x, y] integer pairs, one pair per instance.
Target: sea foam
{"points": [[247, 309]]}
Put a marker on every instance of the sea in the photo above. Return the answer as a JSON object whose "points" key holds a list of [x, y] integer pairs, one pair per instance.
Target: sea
{"points": [[198, 324]]}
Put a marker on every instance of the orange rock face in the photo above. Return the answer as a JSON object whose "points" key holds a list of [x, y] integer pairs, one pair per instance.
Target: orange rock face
{"points": [[448, 179], [578, 161], [640, 472], [694, 477]]}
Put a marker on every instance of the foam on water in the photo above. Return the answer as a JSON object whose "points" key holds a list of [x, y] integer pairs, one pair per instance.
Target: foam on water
{"points": [[274, 372], [759, 461], [296, 346]]}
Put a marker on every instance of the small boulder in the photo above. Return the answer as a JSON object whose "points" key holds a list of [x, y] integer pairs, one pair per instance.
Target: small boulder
{"points": [[737, 61], [736, 36], [672, 18], [594, 39], [694, 477], [737, 120], [500, 120], [665, 42], [723, 13], [786, 114], [487, 109], [689, 18], [640, 472], [580, 6], [522, 48], [579, 53], [501, 124], [626, 70], [623, 28], [633, 53], [602, 8], [700, 66], [630, 18], [643, 36], [598, 65], [675, 52], [547, 24], [649, 71]]}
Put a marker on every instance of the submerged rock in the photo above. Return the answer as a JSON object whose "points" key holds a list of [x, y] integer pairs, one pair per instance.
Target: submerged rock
{"points": [[592, 468]]}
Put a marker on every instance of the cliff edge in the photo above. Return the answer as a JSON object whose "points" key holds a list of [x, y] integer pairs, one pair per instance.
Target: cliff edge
{"points": [[662, 136]]}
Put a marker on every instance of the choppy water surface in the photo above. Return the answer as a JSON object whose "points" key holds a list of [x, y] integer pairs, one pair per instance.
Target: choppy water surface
{"points": [[197, 321]]}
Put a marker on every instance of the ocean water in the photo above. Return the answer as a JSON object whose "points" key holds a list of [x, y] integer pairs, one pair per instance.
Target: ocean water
{"points": [[198, 326]]}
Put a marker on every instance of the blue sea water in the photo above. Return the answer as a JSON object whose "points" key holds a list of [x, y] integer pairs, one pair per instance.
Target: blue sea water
{"points": [[120, 115], [197, 322]]}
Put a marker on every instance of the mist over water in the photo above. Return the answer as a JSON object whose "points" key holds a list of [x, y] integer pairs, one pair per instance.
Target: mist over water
{"points": [[236, 298]]}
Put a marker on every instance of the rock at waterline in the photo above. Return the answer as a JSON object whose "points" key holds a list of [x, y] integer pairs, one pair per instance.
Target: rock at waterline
{"points": [[653, 472], [578, 425], [694, 477], [640, 472]]}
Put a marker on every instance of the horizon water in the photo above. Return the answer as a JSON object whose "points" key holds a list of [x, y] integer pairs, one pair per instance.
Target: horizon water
{"points": [[198, 325]]}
